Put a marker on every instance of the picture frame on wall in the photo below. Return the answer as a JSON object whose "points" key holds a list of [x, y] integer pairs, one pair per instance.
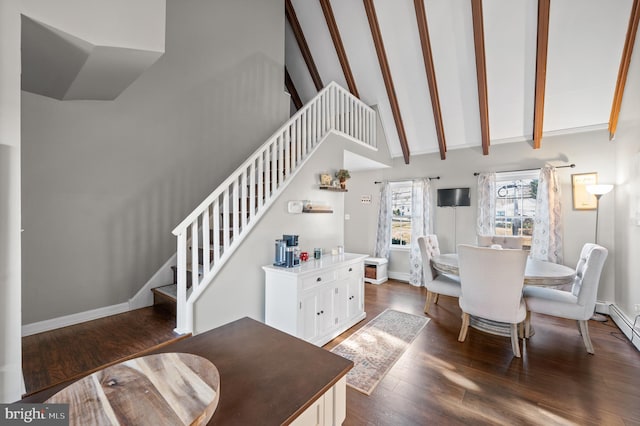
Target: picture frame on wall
{"points": [[582, 200]]}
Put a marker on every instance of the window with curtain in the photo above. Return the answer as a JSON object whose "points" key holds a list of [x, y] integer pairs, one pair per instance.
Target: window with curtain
{"points": [[515, 196], [401, 214]]}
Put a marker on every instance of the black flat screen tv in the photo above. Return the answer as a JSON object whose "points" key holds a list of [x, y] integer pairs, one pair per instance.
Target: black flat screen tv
{"points": [[453, 197]]}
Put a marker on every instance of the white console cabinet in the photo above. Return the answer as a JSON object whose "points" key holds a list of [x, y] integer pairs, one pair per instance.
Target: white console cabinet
{"points": [[318, 300]]}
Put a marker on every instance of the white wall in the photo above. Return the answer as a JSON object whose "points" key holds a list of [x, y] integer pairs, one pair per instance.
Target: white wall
{"points": [[105, 182], [10, 338], [591, 152], [238, 290], [627, 193]]}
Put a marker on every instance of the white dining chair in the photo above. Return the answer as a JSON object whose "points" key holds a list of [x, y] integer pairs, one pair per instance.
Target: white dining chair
{"points": [[436, 283], [577, 304], [491, 281], [504, 241]]}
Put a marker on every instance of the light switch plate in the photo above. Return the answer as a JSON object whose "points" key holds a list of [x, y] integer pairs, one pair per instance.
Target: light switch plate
{"points": [[294, 206]]}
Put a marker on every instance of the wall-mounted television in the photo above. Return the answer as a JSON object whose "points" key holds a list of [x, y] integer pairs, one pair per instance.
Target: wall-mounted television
{"points": [[453, 197]]}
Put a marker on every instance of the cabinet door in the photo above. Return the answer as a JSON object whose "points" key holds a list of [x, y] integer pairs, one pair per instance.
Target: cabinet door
{"points": [[354, 297], [310, 315]]}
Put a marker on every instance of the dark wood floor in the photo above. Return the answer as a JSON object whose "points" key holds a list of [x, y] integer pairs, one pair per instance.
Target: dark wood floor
{"points": [[56, 356], [442, 381], [437, 381]]}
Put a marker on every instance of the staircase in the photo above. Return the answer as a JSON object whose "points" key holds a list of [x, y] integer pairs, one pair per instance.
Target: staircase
{"points": [[220, 223]]}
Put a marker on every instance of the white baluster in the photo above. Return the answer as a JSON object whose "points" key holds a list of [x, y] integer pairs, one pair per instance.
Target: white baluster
{"points": [[225, 220], [236, 218], [244, 201], [216, 230], [253, 204], [261, 182], [287, 156], [181, 293], [206, 243], [195, 264]]}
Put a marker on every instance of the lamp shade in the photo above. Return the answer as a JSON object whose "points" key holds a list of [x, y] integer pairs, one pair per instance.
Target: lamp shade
{"points": [[599, 189]]}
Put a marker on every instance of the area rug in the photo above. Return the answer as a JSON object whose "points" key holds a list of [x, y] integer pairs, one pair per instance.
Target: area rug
{"points": [[376, 347]]}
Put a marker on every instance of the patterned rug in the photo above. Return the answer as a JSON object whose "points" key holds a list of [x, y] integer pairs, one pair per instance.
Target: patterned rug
{"points": [[376, 347]]}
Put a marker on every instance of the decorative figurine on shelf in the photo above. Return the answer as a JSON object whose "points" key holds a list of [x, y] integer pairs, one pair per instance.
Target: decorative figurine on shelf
{"points": [[342, 176], [325, 179]]}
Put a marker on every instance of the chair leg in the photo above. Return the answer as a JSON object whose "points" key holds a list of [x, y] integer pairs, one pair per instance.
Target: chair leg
{"points": [[515, 345], [584, 330], [464, 328], [427, 303], [527, 325], [435, 298]]}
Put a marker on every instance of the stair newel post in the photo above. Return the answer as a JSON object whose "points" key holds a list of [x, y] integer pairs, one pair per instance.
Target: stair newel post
{"points": [[181, 254], [206, 243], [195, 263]]}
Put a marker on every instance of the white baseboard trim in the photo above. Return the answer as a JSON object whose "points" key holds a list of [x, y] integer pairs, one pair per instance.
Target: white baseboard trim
{"points": [[163, 276], [625, 324], [52, 324], [400, 276]]}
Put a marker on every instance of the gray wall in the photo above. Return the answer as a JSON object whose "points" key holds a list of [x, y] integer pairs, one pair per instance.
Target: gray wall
{"points": [[591, 152], [105, 182], [627, 194], [10, 337], [238, 290]]}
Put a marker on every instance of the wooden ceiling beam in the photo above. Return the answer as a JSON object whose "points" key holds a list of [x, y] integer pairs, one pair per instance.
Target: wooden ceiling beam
{"points": [[481, 73], [627, 51], [292, 18], [386, 76], [541, 70], [337, 43], [291, 88], [427, 55]]}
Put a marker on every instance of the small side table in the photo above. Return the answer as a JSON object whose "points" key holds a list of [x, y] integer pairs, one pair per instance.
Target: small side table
{"points": [[375, 270]]}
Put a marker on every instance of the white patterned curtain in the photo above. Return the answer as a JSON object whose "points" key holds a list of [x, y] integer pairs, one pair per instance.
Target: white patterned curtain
{"points": [[486, 222], [383, 236], [546, 242], [420, 225]]}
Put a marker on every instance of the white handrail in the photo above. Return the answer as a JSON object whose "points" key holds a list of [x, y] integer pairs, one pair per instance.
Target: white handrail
{"points": [[224, 218]]}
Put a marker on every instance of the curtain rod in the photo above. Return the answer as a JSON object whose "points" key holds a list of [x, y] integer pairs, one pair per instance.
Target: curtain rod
{"points": [[407, 179], [528, 170]]}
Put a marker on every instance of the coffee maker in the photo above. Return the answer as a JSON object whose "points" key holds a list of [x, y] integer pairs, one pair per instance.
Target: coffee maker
{"points": [[292, 251], [281, 253]]}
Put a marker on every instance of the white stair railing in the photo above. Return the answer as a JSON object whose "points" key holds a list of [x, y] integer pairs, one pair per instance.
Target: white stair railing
{"points": [[213, 231]]}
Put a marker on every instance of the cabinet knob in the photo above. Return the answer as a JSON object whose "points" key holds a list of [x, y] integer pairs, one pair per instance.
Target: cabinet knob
{"points": [[350, 269], [319, 279], [317, 313], [322, 312]]}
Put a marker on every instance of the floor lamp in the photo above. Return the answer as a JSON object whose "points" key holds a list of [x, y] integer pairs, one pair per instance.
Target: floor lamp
{"points": [[598, 191]]}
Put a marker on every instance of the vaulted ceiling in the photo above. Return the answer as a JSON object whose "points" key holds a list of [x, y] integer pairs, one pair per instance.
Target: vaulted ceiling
{"points": [[450, 74]]}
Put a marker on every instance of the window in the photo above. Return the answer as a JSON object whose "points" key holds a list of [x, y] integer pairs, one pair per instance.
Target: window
{"points": [[516, 203], [401, 214]]}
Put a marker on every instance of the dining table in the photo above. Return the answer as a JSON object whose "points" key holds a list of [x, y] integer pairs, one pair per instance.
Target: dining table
{"points": [[537, 272]]}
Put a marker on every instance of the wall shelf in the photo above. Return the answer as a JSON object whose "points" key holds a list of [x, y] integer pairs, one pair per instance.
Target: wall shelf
{"points": [[332, 188], [317, 210]]}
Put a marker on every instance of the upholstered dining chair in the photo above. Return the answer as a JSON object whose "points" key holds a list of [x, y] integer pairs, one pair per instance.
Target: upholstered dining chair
{"points": [[436, 284], [491, 281], [504, 241], [577, 304]]}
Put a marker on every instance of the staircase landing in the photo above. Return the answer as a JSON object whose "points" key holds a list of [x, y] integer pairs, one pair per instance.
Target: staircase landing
{"points": [[72, 352]]}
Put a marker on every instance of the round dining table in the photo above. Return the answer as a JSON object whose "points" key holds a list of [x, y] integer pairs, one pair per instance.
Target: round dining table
{"points": [[537, 272]]}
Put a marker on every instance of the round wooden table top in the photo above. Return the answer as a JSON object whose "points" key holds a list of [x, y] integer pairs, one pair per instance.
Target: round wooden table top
{"points": [[537, 272], [163, 389]]}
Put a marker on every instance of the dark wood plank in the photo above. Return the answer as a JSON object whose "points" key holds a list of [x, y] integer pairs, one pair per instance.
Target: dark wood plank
{"points": [[295, 97], [632, 30], [427, 56], [481, 73], [337, 43], [70, 352], [541, 70], [292, 18], [386, 76]]}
